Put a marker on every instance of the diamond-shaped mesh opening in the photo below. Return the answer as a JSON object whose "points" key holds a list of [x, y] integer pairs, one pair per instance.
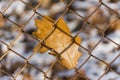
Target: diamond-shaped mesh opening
{"points": [[91, 37], [106, 54], [15, 10], [29, 72], [42, 60], [11, 64], [93, 72]]}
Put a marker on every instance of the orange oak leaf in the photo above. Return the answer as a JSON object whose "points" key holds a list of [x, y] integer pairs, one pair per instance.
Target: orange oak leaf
{"points": [[58, 41]]}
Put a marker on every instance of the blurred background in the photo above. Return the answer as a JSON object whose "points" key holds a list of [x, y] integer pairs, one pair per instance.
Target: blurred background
{"points": [[95, 21]]}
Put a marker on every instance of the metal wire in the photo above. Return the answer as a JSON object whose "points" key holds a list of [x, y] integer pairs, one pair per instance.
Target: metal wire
{"points": [[21, 31]]}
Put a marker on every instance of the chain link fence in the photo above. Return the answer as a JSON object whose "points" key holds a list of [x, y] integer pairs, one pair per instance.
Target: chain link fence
{"points": [[95, 25]]}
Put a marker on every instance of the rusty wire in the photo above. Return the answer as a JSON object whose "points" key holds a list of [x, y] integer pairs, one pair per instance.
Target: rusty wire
{"points": [[45, 73]]}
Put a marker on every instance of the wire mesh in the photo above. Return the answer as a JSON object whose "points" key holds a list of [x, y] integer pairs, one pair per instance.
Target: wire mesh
{"points": [[16, 61]]}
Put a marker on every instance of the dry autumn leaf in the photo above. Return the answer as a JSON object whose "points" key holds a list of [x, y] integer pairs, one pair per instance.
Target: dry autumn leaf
{"points": [[58, 41]]}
